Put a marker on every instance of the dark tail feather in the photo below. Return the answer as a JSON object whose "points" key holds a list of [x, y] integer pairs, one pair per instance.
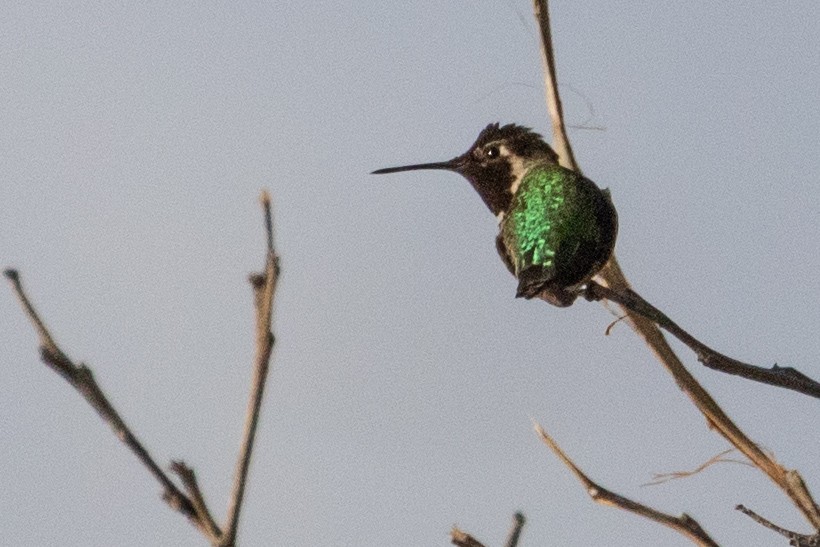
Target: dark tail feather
{"points": [[531, 284]]}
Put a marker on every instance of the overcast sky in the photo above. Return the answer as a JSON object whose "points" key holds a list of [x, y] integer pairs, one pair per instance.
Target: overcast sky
{"points": [[135, 141]]}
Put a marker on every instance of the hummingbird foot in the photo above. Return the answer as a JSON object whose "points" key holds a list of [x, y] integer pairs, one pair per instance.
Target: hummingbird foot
{"points": [[560, 297]]}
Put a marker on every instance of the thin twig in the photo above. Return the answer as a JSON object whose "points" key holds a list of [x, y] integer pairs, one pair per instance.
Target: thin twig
{"points": [[264, 287], [660, 478], [188, 478], [560, 140], [463, 539], [81, 378], [613, 277], [785, 377], [795, 538], [683, 524], [515, 531]]}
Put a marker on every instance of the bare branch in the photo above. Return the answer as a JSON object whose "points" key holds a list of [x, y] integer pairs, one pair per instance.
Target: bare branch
{"points": [[188, 478], [559, 132], [264, 287], [463, 539], [800, 540], [613, 278], [785, 377], [515, 531], [82, 379], [683, 524], [560, 140]]}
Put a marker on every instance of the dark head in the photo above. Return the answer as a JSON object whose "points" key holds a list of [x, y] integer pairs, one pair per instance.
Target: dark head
{"points": [[495, 163]]}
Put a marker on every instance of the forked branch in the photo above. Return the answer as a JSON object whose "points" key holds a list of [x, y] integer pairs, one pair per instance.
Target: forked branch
{"points": [[785, 377], [683, 524], [264, 287], [81, 378], [613, 279], [463, 539]]}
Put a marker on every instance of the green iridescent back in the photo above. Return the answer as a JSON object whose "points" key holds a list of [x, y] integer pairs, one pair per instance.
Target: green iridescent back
{"points": [[559, 229]]}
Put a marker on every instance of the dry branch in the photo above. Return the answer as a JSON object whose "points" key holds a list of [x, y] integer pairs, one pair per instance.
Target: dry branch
{"points": [[80, 377], [785, 377], [612, 278], [795, 538], [188, 478], [515, 530], [683, 524], [264, 287], [463, 539]]}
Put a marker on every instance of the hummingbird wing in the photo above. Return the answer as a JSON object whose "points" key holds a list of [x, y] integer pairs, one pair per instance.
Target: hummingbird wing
{"points": [[502, 252], [559, 232], [588, 232], [531, 281]]}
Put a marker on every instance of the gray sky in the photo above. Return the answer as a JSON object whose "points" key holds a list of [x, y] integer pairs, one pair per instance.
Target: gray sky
{"points": [[135, 142]]}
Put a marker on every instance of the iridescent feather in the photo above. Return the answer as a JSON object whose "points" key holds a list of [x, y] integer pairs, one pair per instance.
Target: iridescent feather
{"points": [[558, 232]]}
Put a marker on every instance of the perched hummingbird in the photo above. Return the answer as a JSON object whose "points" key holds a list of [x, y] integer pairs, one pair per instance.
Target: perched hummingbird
{"points": [[556, 228]]}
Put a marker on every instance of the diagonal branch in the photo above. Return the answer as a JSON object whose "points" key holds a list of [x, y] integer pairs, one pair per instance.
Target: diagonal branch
{"points": [[795, 538], [612, 277], [463, 539], [82, 379], [786, 377], [683, 524], [264, 287], [515, 532], [188, 478]]}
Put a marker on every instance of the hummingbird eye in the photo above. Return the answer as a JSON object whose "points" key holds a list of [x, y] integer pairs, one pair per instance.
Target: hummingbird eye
{"points": [[492, 152]]}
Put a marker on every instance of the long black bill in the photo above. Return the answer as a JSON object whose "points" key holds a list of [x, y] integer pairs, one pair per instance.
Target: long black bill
{"points": [[451, 165]]}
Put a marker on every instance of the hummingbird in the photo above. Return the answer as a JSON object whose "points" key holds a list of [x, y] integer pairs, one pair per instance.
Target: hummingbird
{"points": [[557, 228]]}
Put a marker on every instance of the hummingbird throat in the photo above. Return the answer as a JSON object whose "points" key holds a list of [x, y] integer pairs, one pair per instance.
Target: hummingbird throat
{"points": [[518, 168]]}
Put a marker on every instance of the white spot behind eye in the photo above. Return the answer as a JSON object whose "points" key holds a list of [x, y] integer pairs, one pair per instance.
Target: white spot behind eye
{"points": [[519, 169]]}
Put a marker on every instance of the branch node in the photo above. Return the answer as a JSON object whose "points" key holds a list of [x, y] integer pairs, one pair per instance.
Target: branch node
{"points": [[257, 280]]}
